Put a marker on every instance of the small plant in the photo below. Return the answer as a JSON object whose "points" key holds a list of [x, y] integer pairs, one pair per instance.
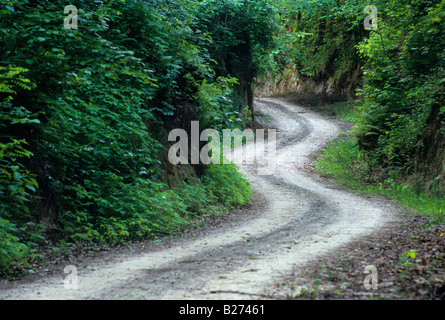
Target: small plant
{"points": [[228, 185], [407, 257]]}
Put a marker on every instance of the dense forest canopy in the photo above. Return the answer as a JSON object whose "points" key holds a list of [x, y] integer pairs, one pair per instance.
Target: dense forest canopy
{"points": [[86, 104]]}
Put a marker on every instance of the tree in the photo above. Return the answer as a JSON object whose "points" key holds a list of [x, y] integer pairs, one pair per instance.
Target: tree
{"points": [[241, 35]]}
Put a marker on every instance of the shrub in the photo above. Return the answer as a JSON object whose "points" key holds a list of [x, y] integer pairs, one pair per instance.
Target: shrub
{"points": [[228, 185]]}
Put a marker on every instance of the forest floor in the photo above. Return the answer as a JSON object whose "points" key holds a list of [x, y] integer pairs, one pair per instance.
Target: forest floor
{"points": [[301, 238], [340, 274]]}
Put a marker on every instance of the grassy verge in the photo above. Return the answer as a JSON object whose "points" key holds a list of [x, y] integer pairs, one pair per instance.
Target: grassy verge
{"points": [[343, 162]]}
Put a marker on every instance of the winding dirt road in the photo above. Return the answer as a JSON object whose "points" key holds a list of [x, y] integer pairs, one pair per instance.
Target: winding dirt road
{"points": [[303, 218]]}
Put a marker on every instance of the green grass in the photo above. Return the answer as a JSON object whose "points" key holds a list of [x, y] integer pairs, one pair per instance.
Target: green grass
{"points": [[343, 162], [408, 197], [346, 111]]}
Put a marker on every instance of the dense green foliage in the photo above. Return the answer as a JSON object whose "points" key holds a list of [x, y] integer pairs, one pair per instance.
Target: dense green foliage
{"points": [[404, 81], [397, 145], [318, 39], [84, 114], [401, 83], [242, 34]]}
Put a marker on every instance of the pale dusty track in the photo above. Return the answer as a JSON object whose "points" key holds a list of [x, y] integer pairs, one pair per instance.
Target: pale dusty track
{"points": [[304, 218]]}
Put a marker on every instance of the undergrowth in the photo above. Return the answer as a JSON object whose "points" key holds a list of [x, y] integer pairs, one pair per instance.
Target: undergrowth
{"points": [[347, 165], [84, 113], [167, 211]]}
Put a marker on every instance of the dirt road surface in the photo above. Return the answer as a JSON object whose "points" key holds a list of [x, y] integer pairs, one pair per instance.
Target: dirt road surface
{"points": [[302, 218]]}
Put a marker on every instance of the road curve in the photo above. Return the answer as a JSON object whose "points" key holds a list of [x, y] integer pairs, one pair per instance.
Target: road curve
{"points": [[303, 219]]}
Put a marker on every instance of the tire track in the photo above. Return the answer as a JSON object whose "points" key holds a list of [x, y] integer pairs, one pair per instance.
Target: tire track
{"points": [[303, 219]]}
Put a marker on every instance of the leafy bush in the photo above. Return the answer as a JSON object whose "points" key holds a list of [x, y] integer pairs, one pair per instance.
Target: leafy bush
{"points": [[197, 198], [316, 38], [398, 70], [17, 184], [218, 110], [83, 113], [240, 39], [403, 87], [227, 184], [11, 248]]}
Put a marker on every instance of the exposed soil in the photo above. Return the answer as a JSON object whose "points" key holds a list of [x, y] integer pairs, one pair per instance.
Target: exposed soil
{"points": [[296, 221]]}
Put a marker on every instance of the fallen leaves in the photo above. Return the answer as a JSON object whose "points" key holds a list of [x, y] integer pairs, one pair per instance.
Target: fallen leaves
{"points": [[409, 257]]}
